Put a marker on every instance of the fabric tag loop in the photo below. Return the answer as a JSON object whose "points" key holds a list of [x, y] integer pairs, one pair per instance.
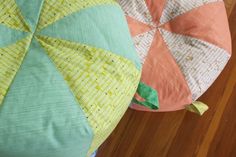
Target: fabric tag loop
{"points": [[149, 95]]}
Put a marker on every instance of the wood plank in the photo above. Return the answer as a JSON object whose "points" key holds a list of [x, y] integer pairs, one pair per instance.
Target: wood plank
{"points": [[229, 87], [229, 4], [224, 142]]}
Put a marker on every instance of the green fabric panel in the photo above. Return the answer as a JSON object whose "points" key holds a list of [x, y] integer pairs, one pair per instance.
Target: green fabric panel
{"points": [[30, 10], [10, 36], [39, 116], [102, 26]]}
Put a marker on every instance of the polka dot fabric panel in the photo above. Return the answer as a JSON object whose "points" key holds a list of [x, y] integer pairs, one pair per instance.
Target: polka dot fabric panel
{"points": [[63, 93], [183, 45]]}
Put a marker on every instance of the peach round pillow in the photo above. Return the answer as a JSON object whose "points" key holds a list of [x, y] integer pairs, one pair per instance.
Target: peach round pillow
{"points": [[183, 44]]}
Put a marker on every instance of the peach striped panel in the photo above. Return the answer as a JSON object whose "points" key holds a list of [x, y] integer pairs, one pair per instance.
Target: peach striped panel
{"points": [[200, 61], [137, 27], [138, 10], [143, 43], [156, 8], [179, 7], [208, 23], [162, 73]]}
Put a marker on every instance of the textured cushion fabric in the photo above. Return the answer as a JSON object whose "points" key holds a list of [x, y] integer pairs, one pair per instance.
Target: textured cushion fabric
{"points": [[183, 45], [68, 72]]}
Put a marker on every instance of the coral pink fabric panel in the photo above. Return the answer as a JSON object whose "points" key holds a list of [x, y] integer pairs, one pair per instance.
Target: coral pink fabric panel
{"points": [[183, 45]]}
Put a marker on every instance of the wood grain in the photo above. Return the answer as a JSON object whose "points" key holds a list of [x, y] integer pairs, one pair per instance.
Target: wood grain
{"points": [[181, 133]]}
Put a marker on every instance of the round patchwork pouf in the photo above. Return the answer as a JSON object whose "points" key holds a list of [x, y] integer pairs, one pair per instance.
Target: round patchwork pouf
{"points": [[183, 45], [68, 72]]}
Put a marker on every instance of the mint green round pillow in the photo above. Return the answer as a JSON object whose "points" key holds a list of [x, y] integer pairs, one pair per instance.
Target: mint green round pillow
{"points": [[68, 72]]}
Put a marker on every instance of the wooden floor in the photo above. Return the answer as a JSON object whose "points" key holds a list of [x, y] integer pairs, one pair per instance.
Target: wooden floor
{"points": [[183, 134]]}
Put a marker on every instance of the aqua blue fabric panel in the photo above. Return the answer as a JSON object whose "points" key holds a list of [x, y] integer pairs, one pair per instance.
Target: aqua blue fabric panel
{"points": [[10, 36], [102, 26], [40, 116], [30, 10]]}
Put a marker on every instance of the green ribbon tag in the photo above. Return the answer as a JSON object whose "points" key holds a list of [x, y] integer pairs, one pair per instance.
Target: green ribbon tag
{"points": [[149, 95], [197, 107]]}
